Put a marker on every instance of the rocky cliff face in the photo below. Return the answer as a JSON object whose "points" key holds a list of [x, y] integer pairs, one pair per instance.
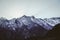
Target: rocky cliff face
{"points": [[27, 27]]}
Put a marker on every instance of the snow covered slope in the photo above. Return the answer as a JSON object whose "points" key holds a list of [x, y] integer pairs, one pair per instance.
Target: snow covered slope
{"points": [[29, 26]]}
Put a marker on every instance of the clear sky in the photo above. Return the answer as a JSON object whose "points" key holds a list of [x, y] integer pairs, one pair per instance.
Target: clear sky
{"points": [[38, 8]]}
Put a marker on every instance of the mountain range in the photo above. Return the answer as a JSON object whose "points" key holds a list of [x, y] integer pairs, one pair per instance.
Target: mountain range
{"points": [[26, 27]]}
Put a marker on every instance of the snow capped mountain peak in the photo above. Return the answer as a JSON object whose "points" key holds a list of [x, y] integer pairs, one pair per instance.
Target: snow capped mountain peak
{"points": [[29, 25], [30, 21]]}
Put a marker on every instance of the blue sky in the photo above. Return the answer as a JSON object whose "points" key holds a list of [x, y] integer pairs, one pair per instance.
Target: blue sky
{"points": [[38, 8]]}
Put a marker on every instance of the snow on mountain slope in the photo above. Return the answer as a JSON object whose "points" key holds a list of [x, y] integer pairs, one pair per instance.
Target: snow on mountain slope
{"points": [[52, 21], [47, 23], [29, 25]]}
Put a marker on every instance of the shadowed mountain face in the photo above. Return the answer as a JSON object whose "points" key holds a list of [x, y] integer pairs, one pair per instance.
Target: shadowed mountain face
{"points": [[30, 28]]}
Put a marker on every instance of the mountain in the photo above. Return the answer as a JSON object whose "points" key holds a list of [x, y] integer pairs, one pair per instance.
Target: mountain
{"points": [[26, 27]]}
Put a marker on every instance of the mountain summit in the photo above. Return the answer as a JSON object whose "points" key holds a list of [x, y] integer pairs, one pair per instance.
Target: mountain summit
{"points": [[28, 26]]}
